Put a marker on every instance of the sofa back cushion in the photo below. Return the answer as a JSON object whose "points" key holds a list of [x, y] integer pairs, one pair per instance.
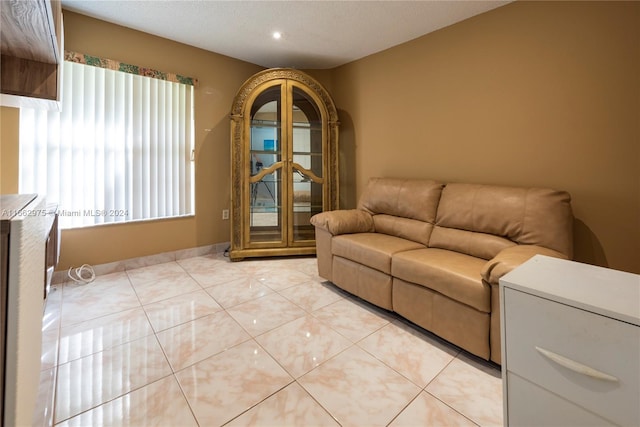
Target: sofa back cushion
{"points": [[479, 245], [410, 229], [402, 207], [481, 220]]}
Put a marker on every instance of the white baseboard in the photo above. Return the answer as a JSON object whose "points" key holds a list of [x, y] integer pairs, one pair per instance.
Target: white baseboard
{"points": [[144, 261]]}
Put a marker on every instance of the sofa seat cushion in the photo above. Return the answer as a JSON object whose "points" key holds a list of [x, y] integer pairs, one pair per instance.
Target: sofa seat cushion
{"points": [[371, 249], [450, 273]]}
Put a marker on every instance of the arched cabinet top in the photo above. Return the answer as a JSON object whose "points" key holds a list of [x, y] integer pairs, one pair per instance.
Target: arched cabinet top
{"points": [[271, 74]]}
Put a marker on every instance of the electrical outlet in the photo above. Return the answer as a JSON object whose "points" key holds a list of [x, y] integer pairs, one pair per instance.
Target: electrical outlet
{"points": [[225, 213]]}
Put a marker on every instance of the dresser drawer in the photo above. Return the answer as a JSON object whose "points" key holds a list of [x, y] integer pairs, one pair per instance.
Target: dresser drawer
{"points": [[526, 400], [588, 359]]}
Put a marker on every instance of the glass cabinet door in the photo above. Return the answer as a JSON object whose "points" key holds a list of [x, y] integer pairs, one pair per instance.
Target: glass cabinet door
{"points": [[307, 165], [284, 163], [265, 169]]}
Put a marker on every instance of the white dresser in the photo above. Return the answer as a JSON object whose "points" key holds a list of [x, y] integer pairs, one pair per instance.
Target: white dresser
{"points": [[570, 345]]}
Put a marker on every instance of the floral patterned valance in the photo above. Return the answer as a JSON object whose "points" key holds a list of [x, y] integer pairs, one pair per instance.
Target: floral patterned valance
{"points": [[127, 68]]}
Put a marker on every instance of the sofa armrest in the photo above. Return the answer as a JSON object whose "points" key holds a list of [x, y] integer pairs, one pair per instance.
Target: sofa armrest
{"points": [[510, 258], [344, 221]]}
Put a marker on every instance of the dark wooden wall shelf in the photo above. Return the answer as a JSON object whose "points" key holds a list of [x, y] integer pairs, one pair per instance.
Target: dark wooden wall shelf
{"points": [[32, 53]]}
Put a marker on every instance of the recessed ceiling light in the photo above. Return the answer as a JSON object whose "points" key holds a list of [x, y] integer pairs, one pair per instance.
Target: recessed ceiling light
{"points": [[277, 35]]}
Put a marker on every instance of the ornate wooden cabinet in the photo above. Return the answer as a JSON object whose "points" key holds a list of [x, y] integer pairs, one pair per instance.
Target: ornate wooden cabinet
{"points": [[284, 163]]}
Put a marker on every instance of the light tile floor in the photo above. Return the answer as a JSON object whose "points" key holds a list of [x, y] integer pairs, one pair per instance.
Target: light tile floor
{"points": [[203, 341]]}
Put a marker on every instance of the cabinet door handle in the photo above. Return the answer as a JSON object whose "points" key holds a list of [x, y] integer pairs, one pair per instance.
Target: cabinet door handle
{"points": [[575, 366]]}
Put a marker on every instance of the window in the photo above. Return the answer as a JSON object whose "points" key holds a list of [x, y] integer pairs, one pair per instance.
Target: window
{"points": [[119, 150]]}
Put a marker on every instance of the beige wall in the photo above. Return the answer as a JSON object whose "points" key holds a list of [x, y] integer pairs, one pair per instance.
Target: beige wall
{"points": [[9, 150], [219, 79], [531, 94]]}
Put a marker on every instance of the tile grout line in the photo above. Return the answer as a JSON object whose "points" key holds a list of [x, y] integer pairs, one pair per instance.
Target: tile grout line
{"points": [[58, 348], [388, 317], [451, 407], [294, 379], [57, 359], [106, 349]]}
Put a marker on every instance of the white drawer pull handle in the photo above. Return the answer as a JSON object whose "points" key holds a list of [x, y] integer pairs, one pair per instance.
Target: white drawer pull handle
{"points": [[575, 366]]}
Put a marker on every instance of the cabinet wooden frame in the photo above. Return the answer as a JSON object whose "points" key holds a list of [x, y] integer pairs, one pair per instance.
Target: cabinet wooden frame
{"points": [[242, 176]]}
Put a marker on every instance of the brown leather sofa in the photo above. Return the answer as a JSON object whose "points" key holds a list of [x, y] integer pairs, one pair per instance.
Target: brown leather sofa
{"points": [[434, 252]]}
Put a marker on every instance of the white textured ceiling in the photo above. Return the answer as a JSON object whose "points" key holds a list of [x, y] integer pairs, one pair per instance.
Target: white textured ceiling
{"points": [[316, 34]]}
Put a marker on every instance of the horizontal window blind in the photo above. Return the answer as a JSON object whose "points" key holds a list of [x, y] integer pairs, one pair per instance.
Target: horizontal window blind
{"points": [[119, 150]]}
